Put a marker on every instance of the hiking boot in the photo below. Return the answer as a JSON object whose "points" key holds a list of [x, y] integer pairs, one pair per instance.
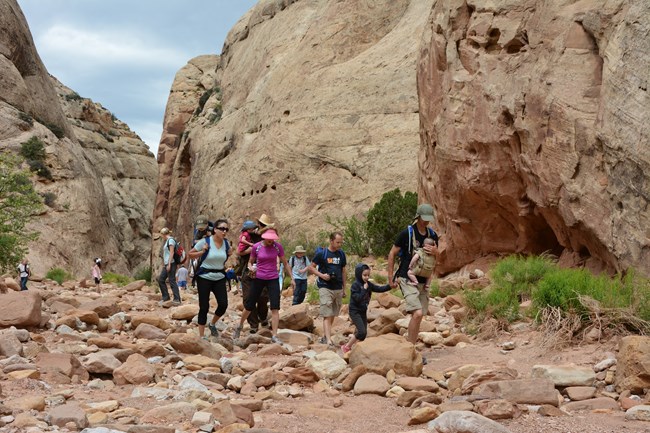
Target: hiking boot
{"points": [[213, 330], [275, 339], [236, 333]]}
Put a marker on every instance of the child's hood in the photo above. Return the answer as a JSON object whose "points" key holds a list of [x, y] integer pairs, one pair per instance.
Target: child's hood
{"points": [[358, 271]]}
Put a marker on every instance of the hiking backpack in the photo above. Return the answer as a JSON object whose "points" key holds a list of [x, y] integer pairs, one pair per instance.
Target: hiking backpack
{"points": [[179, 252], [198, 270], [431, 234], [425, 264]]}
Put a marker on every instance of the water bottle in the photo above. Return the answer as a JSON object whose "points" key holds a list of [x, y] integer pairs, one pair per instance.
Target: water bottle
{"points": [[254, 268]]}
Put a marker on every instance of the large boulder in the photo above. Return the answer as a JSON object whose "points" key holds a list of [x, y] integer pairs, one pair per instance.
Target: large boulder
{"points": [[633, 364], [296, 318], [20, 309], [465, 422], [135, 370], [387, 352]]}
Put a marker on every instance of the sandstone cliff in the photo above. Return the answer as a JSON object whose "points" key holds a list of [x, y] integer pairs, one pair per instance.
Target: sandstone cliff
{"points": [[311, 111], [103, 176], [534, 128]]}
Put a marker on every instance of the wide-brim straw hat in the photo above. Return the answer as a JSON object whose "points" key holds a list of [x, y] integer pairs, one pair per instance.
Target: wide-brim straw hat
{"points": [[265, 220], [299, 249]]}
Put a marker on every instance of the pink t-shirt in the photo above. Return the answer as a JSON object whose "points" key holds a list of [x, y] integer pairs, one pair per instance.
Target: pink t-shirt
{"points": [[245, 236], [267, 260]]}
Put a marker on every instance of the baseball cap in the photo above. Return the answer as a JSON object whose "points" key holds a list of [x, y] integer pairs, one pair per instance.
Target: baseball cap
{"points": [[425, 212], [201, 222]]}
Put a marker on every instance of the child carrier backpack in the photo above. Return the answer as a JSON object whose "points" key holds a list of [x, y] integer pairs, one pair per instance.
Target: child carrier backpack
{"points": [[425, 264], [430, 234]]}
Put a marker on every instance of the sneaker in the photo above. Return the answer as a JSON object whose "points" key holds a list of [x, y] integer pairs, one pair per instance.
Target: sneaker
{"points": [[275, 339], [236, 333], [265, 324], [206, 338], [345, 348], [253, 331], [213, 330], [322, 340], [176, 303], [162, 302]]}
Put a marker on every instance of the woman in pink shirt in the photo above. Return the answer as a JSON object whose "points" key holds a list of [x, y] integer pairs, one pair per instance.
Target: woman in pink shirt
{"points": [[263, 262]]}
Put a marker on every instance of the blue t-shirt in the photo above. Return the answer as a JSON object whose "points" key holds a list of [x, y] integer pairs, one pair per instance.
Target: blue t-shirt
{"points": [[216, 259], [332, 263], [298, 264]]}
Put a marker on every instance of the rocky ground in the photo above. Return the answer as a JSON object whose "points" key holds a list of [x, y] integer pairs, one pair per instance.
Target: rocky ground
{"points": [[75, 359]]}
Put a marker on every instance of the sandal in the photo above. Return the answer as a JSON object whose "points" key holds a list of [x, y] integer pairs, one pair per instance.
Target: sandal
{"points": [[345, 348]]}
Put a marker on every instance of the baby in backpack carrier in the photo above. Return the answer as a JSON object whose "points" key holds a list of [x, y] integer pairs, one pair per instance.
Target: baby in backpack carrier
{"points": [[422, 263]]}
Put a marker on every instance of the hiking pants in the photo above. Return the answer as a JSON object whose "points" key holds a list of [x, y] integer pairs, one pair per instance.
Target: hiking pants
{"points": [[299, 291], [162, 282], [360, 320], [260, 312], [205, 287], [23, 283]]}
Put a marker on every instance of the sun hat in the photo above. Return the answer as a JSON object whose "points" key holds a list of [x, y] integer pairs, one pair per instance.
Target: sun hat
{"points": [[299, 249], [270, 235], [248, 225], [265, 220], [425, 212], [201, 222], [165, 231]]}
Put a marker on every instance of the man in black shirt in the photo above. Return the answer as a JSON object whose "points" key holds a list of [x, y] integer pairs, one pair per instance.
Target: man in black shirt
{"points": [[409, 239]]}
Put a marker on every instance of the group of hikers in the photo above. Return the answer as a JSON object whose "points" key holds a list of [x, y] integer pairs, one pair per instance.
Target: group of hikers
{"points": [[261, 260]]}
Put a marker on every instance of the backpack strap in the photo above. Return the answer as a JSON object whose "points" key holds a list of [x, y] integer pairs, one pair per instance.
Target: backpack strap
{"points": [[292, 261]]}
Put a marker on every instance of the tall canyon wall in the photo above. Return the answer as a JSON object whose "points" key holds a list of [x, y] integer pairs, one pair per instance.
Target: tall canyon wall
{"points": [[310, 110], [535, 121], [100, 197]]}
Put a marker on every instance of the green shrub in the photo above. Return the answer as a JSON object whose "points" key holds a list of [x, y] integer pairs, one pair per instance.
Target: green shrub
{"points": [[390, 215], [25, 117], [59, 275], [434, 289], [57, 130], [111, 277], [354, 234], [74, 96], [40, 169], [143, 274], [33, 149], [379, 279], [312, 294], [494, 302], [519, 275]]}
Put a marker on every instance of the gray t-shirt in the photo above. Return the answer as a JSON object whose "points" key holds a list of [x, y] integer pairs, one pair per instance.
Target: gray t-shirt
{"points": [[169, 242]]}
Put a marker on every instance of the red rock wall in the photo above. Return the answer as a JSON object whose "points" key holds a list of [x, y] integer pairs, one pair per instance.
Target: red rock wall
{"points": [[534, 129]]}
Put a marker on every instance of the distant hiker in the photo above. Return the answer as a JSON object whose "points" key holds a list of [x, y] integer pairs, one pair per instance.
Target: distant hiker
{"points": [[168, 269], [97, 271], [212, 253], [299, 266], [422, 263], [360, 294], [202, 229], [24, 272], [181, 277], [263, 263], [408, 240], [245, 240], [331, 275]]}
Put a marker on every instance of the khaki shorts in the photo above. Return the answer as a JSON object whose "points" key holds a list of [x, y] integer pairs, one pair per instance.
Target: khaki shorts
{"points": [[417, 298], [330, 302]]}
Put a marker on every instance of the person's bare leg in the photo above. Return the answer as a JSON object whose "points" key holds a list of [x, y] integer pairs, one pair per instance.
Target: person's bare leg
{"points": [[414, 326], [327, 328], [201, 330], [275, 321]]}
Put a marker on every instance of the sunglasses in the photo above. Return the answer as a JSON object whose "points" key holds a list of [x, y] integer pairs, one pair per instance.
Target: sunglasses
{"points": [[223, 229]]}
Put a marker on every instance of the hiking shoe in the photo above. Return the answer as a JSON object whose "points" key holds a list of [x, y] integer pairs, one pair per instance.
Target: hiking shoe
{"points": [[345, 348], [236, 333], [206, 338], [265, 324], [253, 331], [162, 302], [176, 303], [213, 330], [275, 339], [322, 340]]}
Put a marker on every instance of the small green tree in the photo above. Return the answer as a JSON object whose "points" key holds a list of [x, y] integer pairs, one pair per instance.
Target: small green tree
{"points": [[354, 234], [19, 203], [391, 214]]}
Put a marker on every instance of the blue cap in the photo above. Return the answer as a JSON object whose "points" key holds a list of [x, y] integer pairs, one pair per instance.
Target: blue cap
{"points": [[248, 225]]}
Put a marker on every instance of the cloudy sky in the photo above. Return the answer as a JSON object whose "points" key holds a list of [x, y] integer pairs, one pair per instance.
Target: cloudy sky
{"points": [[124, 53]]}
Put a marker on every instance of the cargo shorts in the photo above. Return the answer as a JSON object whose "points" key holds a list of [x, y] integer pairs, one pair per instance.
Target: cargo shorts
{"points": [[416, 297]]}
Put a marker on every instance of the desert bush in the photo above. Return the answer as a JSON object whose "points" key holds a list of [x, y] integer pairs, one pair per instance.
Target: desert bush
{"points": [[434, 289], [111, 277], [354, 234], [74, 96], [49, 198], [143, 274], [33, 149], [25, 117], [59, 275], [379, 279], [19, 203], [391, 214]]}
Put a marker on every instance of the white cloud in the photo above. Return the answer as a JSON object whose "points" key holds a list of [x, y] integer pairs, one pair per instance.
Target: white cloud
{"points": [[106, 48]]}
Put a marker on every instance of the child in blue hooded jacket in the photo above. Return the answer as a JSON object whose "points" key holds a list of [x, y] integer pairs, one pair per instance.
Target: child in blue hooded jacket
{"points": [[360, 294]]}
